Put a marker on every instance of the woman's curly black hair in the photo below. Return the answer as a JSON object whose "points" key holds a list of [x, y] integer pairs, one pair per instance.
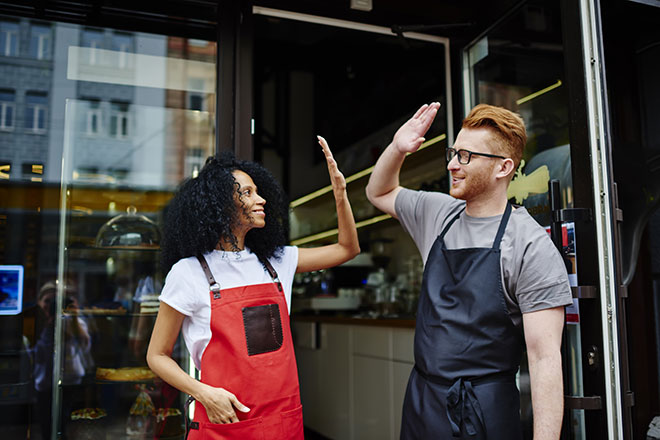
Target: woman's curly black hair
{"points": [[203, 210]]}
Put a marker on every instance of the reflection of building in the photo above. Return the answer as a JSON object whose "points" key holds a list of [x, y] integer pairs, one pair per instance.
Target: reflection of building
{"points": [[26, 71], [190, 133]]}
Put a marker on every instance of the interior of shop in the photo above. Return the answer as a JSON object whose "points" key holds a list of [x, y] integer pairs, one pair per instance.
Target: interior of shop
{"points": [[105, 110]]}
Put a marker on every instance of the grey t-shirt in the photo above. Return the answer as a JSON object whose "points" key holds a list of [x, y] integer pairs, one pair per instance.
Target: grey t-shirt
{"points": [[533, 273]]}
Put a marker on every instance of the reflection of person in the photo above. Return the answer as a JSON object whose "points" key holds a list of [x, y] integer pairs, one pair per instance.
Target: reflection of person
{"points": [[233, 218], [491, 271], [76, 355]]}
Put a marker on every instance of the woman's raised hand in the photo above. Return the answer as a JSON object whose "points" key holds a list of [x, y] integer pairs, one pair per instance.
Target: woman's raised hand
{"points": [[336, 177], [410, 136], [219, 404]]}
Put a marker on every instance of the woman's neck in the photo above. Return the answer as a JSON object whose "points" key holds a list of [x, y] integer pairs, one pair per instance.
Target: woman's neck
{"points": [[226, 245]]}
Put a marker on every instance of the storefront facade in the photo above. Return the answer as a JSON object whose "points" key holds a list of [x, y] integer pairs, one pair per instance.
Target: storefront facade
{"points": [[106, 108]]}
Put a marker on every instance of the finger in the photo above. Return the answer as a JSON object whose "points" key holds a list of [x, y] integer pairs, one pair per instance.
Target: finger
{"points": [[233, 418], [420, 111], [427, 119], [238, 405], [325, 146]]}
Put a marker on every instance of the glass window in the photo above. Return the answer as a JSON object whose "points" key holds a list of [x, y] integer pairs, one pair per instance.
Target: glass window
{"points": [[40, 42], [36, 106], [9, 38], [119, 113], [122, 44], [524, 72], [7, 109], [356, 98], [93, 119], [93, 39], [119, 140]]}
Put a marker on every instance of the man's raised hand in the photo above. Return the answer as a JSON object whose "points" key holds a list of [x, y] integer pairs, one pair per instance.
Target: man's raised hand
{"points": [[410, 136]]}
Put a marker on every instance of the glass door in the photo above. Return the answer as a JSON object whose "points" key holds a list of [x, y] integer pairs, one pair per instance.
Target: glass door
{"points": [[519, 64]]}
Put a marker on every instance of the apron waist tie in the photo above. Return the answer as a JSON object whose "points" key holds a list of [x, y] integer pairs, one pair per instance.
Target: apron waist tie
{"points": [[463, 407]]}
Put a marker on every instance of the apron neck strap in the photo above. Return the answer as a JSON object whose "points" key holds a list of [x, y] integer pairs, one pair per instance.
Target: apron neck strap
{"points": [[207, 271], [451, 222], [503, 223], [271, 270], [215, 286]]}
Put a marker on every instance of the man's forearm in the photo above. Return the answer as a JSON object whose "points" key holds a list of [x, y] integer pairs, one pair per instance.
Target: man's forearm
{"points": [[385, 176], [547, 396]]}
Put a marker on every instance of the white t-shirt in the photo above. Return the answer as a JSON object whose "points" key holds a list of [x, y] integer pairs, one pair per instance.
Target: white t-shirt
{"points": [[187, 290]]}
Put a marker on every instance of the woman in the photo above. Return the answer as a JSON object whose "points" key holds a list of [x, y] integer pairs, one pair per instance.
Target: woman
{"points": [[229, 291]]}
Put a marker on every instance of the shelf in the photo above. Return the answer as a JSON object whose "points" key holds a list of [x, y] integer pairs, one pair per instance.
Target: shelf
{"points": [[332, 232], [109, 315], [313, 218], [360, 174]]}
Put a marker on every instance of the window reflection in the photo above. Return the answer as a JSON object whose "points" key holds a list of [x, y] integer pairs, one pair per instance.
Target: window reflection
{"points": [[40, 42], [127, 115], [7, 106], [8, 38]]}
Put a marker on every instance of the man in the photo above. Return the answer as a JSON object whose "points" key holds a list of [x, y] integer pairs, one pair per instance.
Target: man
{"points": [[490, 272]]}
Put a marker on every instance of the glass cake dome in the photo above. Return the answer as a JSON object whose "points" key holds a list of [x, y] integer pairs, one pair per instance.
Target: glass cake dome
{"points": [[129, 231]]}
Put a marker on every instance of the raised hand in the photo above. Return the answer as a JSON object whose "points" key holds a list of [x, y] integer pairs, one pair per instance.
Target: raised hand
{"points": [[410, 135], [336, 177]]}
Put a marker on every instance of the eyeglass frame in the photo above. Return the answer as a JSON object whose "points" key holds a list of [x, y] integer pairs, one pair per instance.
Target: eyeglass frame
{"points": [[457, 153]]}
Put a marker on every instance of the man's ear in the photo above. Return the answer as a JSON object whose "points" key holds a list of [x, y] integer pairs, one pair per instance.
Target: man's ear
{"points": [[506, 169]]}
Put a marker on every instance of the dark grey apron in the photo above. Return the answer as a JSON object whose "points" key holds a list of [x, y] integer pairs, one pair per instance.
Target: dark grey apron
{"points": [[467, 349]]}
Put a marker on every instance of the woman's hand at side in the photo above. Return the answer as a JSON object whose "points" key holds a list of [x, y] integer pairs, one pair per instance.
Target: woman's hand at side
{"points": [[347, 245], [219, 404]]}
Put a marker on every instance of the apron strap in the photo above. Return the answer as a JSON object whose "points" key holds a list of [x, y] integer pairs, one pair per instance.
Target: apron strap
{"points": [[451, 222], [502, 228], [214, 285], [463, 409], [271, 271]]}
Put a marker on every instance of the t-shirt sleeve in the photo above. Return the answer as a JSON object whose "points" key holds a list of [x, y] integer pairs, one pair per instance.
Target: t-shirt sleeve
{"points": [[422, 214], [543, 280], [289, 264], [178, 292]]}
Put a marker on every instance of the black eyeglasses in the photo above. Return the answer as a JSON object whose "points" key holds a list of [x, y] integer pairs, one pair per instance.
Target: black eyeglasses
{"points": [[464, 156]]}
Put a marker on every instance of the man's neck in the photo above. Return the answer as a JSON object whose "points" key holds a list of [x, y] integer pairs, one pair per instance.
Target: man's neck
{"points": [[486, 206]]}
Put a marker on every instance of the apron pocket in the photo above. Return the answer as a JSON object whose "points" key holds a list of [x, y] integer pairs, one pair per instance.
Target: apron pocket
{"points": [[263, 328], [292, 424], [250, 429]]}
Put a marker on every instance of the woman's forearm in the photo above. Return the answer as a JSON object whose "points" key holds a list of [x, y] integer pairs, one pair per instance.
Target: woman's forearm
{"points": [[347, 236], [167, 369]]}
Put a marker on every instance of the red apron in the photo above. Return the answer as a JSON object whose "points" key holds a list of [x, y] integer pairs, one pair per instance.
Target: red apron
{"points": [[251, 355]]}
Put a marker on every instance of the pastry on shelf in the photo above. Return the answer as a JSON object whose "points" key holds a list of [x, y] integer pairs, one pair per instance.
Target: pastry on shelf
{"points": [[103, 308], [87, 424], [126, 374]]}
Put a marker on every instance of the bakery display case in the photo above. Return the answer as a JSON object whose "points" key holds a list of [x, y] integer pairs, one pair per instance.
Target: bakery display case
{"points": [[106, 305]]}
